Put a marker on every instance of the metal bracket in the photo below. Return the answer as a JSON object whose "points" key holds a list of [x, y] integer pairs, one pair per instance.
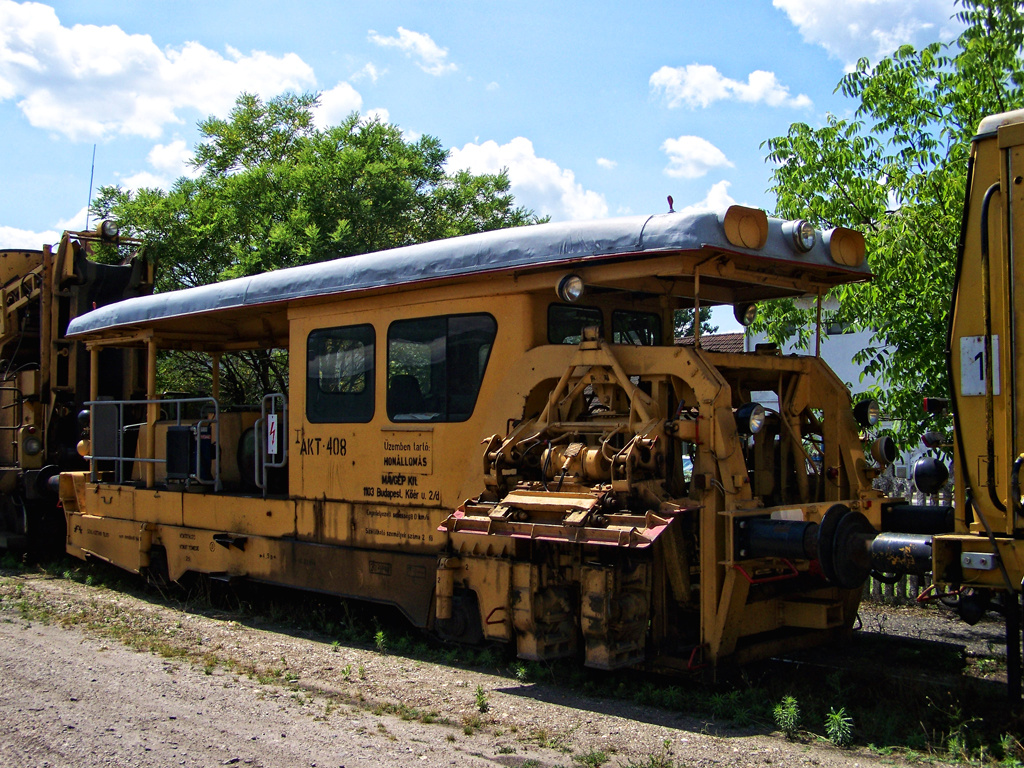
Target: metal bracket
{"points": [[979, 561]]}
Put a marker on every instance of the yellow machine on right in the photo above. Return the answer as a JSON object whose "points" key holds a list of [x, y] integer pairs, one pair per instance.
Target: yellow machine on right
{"points": [[984, 555]]}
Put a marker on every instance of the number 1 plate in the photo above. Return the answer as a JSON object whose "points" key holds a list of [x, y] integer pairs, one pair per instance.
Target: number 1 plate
{"points": [[972, 365]]}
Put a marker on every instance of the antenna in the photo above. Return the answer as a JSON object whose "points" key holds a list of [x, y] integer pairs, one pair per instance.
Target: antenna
{"points": [[92, 172]]}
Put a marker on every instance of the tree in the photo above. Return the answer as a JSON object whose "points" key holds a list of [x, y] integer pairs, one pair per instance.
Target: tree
{"points": [[683, 321], [897, 172], [273, 191]]}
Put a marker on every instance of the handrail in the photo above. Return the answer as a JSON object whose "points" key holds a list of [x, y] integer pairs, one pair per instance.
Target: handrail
{"points": [[121, 460], [262, 448], [16, 403]]}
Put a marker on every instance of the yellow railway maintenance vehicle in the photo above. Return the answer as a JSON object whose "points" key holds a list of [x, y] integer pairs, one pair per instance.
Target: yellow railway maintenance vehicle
{"points": [[44, 377], [498, 435], [985, 554]]}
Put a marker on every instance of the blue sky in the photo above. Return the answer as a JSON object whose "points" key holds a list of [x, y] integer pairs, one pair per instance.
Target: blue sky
{"points": [[597, 109]]}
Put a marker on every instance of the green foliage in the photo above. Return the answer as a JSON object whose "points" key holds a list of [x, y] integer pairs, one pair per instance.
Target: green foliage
{"points": [[787, 716], [839, 727], [683, 321], [896, 171], [480, 697], [9, 562], [272, 190], [595, 758]]}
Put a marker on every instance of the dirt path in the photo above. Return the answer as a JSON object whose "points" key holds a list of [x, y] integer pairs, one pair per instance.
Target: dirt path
{"points": [[215, 692]]}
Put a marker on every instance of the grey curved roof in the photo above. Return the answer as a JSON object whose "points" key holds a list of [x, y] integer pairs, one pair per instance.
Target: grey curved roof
{"points": [[499, 250]]}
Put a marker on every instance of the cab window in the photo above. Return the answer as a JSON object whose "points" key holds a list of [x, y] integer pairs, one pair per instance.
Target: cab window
{"points": [[436, 366], [339, 374], [642, 329], [567, 321]]}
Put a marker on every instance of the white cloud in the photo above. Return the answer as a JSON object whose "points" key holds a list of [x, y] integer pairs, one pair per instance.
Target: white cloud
{"points": [[691, 157], [146, 180], [76, 222], [368, 72], [174, 159], [492, 86], [89, 82], [380, 114], [336, 104], [871, 28], [429, 56], [604, 162], [717, 199], [11, 237], [698, 85], [537, 183]]}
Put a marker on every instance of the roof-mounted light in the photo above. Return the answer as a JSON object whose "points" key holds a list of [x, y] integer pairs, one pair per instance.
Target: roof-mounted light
{"points": [[570, 288], [801, 233], [108, 230], [845, 246], [745, 227]]}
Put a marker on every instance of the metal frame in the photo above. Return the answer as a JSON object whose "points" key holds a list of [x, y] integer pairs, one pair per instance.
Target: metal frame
{"points": [[120, 460]]}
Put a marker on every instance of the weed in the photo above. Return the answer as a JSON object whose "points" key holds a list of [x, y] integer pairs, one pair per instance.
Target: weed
{"points": [[362, 672], [481, 700], [450, 737], [346, 672], [787, 716], [520, 672], [335, 646], [505, 749], [733, 706], [471, 723], [661, 760], [593, 759], [487, 658], [10, 563], [839, 727], [380, 641], [1012, 751]]}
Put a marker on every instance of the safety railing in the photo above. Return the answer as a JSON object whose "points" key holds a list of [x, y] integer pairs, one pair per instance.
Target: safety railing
{"points": [[209, 410], [271, 431], [15, 424]]}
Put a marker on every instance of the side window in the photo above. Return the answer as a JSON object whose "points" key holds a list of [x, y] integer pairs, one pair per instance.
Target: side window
{"points": [[566, 322], [339, 374], [436, 366], [642, 329]]}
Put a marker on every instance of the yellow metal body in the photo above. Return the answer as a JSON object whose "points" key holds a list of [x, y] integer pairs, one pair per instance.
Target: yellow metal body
{"points": [[592, 498], [987, 368], [46, 376]]}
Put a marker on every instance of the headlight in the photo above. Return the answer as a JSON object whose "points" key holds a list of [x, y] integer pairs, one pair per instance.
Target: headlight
{"points": [[883, 450], [803, 234], [570, 288], [109, 230], [745, 314], [867, 413], [930, 475], [749, 418], [32, 445]]}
